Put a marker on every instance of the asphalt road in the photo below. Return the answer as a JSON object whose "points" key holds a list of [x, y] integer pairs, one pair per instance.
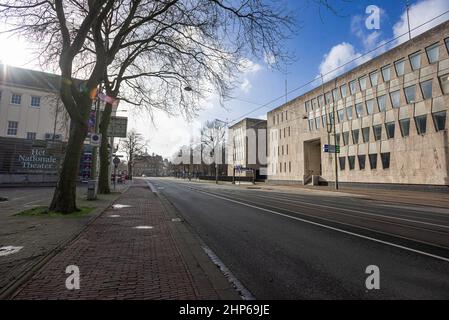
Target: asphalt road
{"points": [[309, 245]]}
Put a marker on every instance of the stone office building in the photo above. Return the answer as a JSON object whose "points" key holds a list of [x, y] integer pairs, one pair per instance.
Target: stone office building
{"points": [[391, 121]]}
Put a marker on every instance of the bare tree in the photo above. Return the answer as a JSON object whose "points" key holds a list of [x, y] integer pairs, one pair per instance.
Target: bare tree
{"points": [[133, 145], [213, 136]]}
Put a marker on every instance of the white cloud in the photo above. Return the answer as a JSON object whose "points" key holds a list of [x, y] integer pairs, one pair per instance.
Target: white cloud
{"points": [[339, 59], [249, 66], [269, 59], [368, 38], [246, 85], [420, 13]]}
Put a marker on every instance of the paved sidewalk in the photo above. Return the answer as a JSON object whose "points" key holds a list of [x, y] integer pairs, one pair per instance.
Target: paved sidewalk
{"points": [[38, 236], [127, 253]]}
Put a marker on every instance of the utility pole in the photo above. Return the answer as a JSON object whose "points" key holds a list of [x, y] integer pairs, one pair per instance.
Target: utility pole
{"points": [[408, 20], [97, 125], [334, 121]]}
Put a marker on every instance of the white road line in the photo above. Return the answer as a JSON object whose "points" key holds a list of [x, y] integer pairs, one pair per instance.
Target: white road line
{"points": [[152, 188], [330, 228], [355, 211]]}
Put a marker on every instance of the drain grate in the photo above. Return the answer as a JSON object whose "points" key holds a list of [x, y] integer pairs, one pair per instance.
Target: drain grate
{"points": [[6, 251]]}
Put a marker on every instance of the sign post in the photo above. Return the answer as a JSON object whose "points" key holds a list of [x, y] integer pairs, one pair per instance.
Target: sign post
{"points": [[116, 162]]}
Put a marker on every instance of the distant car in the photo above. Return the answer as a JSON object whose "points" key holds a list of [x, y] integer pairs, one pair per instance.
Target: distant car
{"points": [[143, 175]]}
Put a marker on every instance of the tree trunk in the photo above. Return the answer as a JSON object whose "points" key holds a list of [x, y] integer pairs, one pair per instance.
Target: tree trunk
{"points": [[103, 183], [64, 197], [130, 168]]}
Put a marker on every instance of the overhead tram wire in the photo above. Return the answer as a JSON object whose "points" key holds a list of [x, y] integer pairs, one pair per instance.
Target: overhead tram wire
{"points": [[337, 68]]}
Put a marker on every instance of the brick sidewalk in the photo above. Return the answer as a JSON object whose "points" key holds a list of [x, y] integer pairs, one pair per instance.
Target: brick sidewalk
{"points": [[118, 261]]}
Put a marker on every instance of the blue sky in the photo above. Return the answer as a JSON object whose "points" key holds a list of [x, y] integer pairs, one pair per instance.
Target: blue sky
{"points": [[319, 46]]}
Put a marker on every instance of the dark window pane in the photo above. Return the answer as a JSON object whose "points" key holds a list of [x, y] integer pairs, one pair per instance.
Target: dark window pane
{"points": [[365, 134], [360, 110], [404, 124], [385, 157], [341, 115], [377, 132], [362, 159], [342, 161], [426, 89], [421, 124], [410, 94], [353, 87], [439, 118], [390, 126], [433, 53], [346, 138], [447, 44], [444, 82], [349, 113], [415, 61], [351, 161], [317, 122], [373, 161], [382, 101], [337, 138], [355, 135], [310, 124], [343, 91], [395, 99]]}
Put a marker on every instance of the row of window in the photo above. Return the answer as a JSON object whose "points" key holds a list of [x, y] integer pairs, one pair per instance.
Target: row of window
{"points": [[13, 126], [372, 159], [432, 53], [284, 170], [439, 120], [280, 117], [370, 107], [16, 99]]}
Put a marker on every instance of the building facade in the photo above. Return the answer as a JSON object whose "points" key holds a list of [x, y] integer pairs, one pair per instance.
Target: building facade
{"points": [[390, 118], [30, 107], [247, 147]]}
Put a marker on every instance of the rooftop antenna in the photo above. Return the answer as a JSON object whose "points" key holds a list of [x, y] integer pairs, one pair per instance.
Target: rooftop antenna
{"points": [[407, 3]]}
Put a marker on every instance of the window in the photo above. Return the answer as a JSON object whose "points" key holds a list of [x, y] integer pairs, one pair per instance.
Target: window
{"points": [[349, 113], [307, 106], [355, 135], [439, 118], [433, 53], [359, 110], [317, 123], [286, 115], [12, 128], [415, 61], [335, 94], [426, 89], [35, 101], [444, 82], [365, 134], [410, 94], [370, 106], [385, 157], [404, 124], [342, 161], [351, 161], [321, 101], [314, 104], [310, 124], [395, 99], [343, 90], [373, 78], [377, 129], [16, 98], [400, 67], [389, 127], [447, 44], [331, 118], [324, 117], [341, 115], [31, 135], [327, 96], [274, 118], [362, 160], [290, 166], [346, 138], [362, 83], [337, 139], [352, 87], [386, 73], [421, 124], [382, 101], [373, 161]]}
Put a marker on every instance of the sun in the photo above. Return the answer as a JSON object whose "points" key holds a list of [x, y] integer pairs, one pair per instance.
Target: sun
{"points": [[15, 51]]}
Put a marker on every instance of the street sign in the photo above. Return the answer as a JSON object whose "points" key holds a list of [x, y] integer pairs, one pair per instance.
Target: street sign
{"points": [[117, 127], [95, 139], [329, 148], [116, 161]]}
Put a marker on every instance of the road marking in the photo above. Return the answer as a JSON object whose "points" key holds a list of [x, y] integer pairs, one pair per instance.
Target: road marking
{"points": [[353, 211], [152, 188], [328, 227]]}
